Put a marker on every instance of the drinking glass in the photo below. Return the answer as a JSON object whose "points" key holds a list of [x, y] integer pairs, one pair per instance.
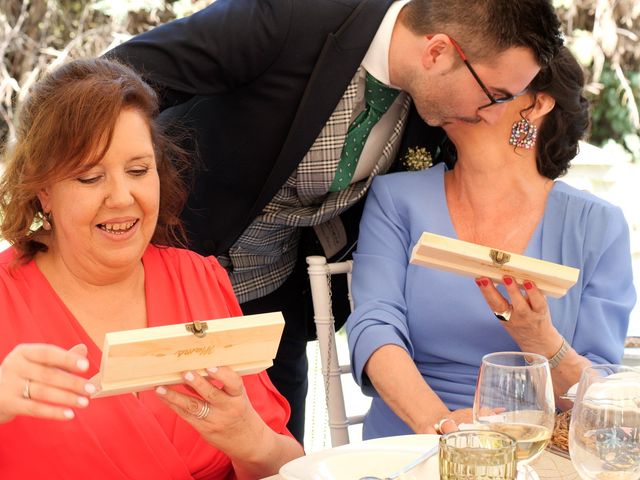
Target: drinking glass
{"points": [[514, 395], [477, 455], [604, 433]]}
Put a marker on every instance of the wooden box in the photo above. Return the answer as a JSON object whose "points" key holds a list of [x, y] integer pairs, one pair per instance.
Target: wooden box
{"points": [[135, 360], [474, 260]]}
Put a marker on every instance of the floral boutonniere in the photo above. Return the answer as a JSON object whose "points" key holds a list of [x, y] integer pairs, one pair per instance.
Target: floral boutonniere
{"points": [[417, 159]]}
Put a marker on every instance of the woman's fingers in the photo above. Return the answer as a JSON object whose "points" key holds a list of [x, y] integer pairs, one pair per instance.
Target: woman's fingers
{"points": [[450, 426], [54, 356], [536, 298], [517, 301], [230, 381], [41, 392], [222, 391], [34, 408], [56, 367], [59, 379], [223, 382], [492, 296], [42, 380]]}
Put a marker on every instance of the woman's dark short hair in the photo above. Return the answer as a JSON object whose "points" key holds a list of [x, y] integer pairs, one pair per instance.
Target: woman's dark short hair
{"points": [[567, 123], [65, 127]]}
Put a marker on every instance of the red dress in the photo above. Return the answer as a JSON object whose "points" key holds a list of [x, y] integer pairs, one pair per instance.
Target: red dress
{"points": [[120, 437]]}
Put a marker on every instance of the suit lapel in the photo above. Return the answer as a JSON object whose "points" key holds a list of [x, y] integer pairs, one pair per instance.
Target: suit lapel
{"points": [[337, 63]]}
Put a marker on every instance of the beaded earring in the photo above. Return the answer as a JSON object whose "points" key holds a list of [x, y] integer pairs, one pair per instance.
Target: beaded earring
{"points": [[523, 134]]}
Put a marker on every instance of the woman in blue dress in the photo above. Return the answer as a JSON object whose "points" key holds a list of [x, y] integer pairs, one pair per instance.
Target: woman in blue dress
{"points": [[417, 335]]}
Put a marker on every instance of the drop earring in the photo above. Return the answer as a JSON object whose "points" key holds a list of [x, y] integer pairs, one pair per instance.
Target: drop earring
{"points": [[46, 221], [523, 134]]}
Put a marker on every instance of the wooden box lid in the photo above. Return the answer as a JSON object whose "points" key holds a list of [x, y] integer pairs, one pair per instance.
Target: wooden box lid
{"points": [[135, 360], [474, 260]]}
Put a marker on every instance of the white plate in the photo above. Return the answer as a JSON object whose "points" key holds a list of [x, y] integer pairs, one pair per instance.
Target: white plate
{"points": [[380, 457]]}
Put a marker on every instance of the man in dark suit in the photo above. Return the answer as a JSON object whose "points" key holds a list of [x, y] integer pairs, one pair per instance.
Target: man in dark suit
{"points": [[274, 94]]}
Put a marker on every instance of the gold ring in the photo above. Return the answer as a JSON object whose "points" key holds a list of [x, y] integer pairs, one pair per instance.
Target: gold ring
{"points": [[26, 391], [203, 412]]}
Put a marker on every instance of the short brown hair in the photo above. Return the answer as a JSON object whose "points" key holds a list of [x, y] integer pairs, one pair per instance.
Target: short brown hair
{"points": [[66, 126], [486, 27]]}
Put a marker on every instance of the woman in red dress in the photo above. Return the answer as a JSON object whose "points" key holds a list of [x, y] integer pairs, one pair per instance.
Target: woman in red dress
{"points": [[89, 201]]}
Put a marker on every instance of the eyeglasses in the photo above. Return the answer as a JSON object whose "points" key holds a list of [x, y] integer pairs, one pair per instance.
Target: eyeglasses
{"points": [[492, 100]]}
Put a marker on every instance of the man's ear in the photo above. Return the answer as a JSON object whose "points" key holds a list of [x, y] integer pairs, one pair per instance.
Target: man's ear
{"points": [[544, 103], [438, 52]]}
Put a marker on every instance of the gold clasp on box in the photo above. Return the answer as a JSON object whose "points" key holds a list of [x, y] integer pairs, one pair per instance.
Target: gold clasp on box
{"points": [[498, 257], [198, 328]]}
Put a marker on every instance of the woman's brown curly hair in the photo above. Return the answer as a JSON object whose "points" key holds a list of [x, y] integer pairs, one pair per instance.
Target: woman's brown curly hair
{"points": [[65, 127]]}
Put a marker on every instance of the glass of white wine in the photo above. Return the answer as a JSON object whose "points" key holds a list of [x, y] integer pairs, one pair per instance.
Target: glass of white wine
{"points": [[514, 395], [604, 433]]}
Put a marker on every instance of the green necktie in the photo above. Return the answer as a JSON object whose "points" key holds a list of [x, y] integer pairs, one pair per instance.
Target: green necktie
{"points": [[378, 98]]}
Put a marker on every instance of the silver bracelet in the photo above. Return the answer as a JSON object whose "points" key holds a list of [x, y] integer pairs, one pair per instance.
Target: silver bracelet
{"points": [[559, 355]]}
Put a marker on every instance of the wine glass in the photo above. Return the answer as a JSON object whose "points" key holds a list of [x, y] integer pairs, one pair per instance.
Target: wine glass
{"points": [[604, 433], [514, 395]]}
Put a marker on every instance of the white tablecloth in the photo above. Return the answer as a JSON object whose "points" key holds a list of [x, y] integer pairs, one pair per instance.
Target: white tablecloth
{"points": [[549, 466]]}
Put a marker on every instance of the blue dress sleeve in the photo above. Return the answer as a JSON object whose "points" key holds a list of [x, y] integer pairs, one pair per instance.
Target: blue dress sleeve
{"points": [[380, 267], [608, 294]]}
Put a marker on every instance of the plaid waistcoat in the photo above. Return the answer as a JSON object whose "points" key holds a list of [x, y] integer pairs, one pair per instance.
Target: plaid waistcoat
{"points": [[265, 254]]}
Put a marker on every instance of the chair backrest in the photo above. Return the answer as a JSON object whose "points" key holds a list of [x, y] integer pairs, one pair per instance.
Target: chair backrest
{"points": [[631, 355], [320, 273]]}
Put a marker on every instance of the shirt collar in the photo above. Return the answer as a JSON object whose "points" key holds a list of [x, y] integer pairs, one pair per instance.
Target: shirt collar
{"points": [[376, 61]]}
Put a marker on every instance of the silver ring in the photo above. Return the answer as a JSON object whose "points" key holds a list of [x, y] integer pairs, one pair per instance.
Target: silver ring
{"points": [[26, 391], [504, 316], [203, 412], [438, 426]]}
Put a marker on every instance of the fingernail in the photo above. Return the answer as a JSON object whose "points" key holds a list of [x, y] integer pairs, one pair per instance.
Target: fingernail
{"points": [[189, 377], [89, 388], [83, 364], [161, 390], [83, 401], [212, 369], [485, 282], [528, 285], [508, 280], [478, 282], [68, 413]]}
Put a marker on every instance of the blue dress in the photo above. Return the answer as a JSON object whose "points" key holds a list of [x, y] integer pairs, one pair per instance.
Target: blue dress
{"points": [[442, 320]]}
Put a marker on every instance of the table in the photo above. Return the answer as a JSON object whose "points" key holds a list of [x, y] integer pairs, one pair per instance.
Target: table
{"points": [[549, 466]]}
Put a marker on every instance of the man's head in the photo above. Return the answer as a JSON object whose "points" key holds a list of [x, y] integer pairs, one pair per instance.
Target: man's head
{"points": [[489, 27], [466, 55]]}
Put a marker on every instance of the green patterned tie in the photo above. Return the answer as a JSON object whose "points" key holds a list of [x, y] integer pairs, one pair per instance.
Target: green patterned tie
{"points": [[378, 98]]}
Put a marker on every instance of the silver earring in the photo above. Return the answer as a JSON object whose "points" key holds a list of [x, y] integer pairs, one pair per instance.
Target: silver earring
{"points": [[46, 221], [523, 134]]}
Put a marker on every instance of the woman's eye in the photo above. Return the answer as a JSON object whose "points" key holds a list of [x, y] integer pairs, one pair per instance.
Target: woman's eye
{"points": [[138, 172], [88, 180]]}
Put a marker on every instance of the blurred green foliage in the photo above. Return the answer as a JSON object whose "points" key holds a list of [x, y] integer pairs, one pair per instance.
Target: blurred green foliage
{"points": [[611, 118], [605, 37]]}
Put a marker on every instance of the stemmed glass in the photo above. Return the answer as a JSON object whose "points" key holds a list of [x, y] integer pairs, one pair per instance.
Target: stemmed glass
{"points": [[514, 395], [604, 433]]}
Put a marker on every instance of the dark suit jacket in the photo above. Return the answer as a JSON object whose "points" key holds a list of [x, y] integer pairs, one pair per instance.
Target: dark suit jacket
{"points": [[256, 80]]}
